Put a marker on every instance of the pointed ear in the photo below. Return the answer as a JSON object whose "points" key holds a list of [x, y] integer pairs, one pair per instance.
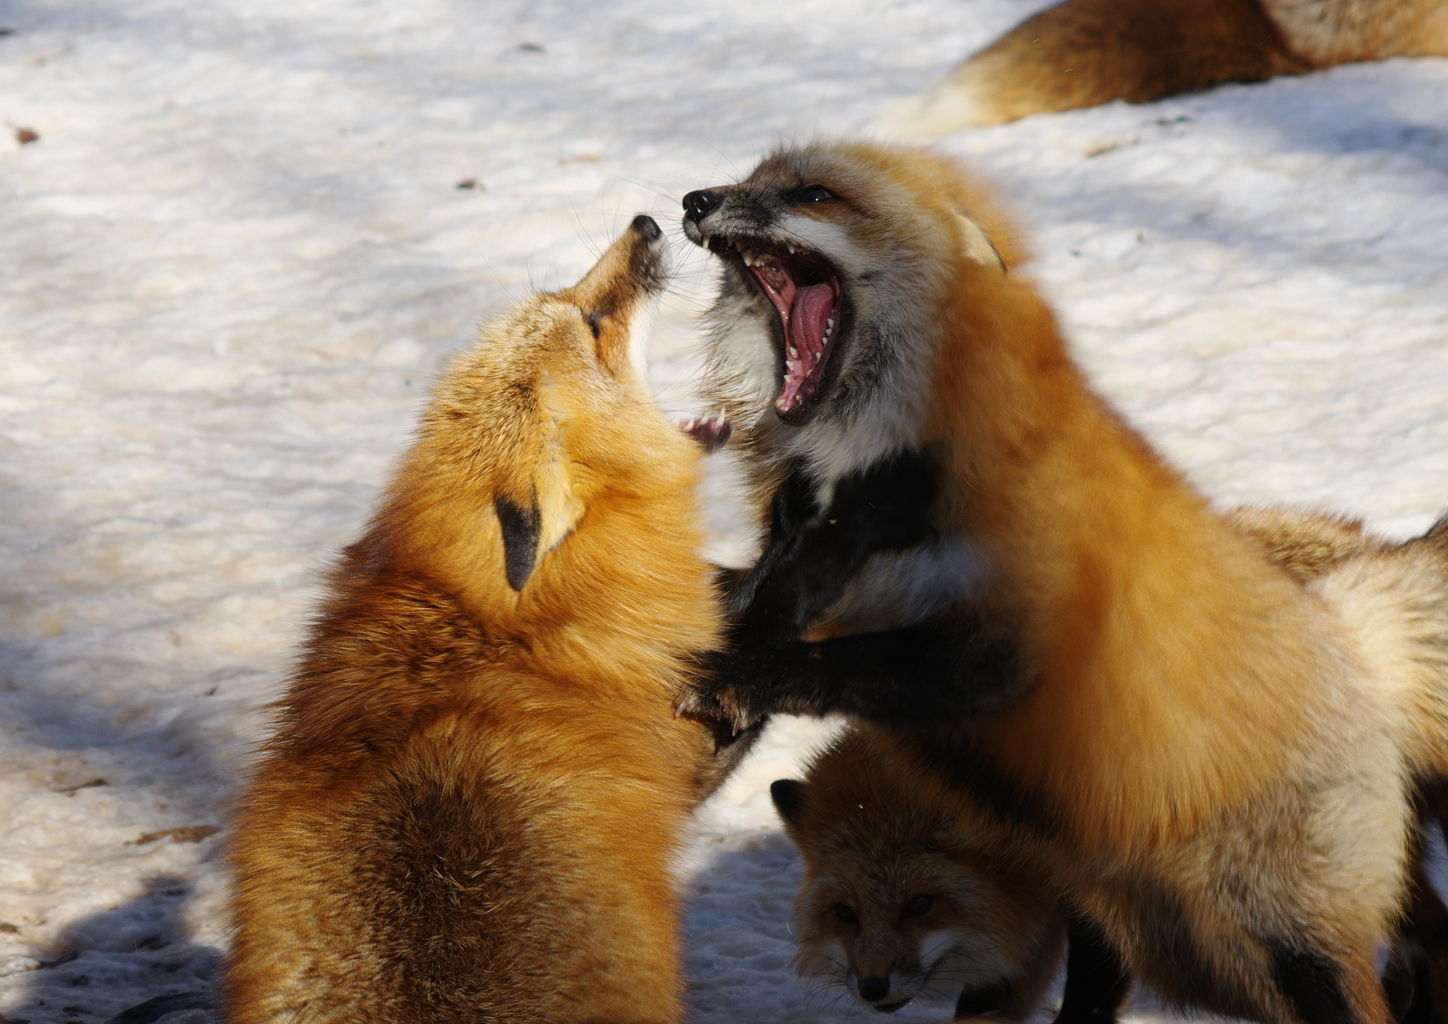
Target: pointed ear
{"points": [[977, 245], [558, 506], [788, 797], [531, 531]]}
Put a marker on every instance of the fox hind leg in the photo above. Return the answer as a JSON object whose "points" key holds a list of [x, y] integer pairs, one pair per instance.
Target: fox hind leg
{"points": [[1325, 989]]}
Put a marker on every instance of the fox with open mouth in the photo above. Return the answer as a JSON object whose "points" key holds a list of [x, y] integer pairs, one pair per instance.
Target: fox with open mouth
{"points": [[1214, 764]]}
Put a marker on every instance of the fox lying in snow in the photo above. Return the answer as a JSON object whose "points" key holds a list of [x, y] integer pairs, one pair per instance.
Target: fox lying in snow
{"points": [[1083, 52]]}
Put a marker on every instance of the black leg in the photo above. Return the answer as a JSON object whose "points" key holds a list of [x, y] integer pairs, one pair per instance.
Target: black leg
{"points": [[1096, 980], [924, 675], [814, 552], [1310, 981], [1407, 985]]}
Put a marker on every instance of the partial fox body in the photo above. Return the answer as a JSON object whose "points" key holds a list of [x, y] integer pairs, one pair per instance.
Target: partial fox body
{"points": [[905, 896], [477, 785], [1084, 52], [909, 891], [1214, 762]]}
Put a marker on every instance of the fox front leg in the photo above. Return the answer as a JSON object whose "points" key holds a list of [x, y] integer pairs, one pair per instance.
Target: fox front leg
{"points": [[813, 552], [923, 675]]}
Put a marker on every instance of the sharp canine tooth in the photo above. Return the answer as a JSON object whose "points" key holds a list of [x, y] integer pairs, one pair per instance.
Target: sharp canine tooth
{"points": [[790, 248]]}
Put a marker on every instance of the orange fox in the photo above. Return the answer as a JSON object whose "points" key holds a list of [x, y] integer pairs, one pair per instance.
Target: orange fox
{"points": [[908, 894], [1213, 764], [477, 786], [904, 896], [1083, 52]]}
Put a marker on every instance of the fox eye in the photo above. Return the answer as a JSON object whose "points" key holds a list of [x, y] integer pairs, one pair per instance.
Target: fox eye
{"points": [[845, 914], [918, 905], [592, 319], [815, 194]]}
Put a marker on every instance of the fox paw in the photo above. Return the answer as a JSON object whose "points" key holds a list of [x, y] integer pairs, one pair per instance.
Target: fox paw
{"points": [[712, 432], [720, 703]]}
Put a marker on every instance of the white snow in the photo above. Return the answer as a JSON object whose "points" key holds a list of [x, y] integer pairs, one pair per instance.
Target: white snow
{"points": [[237, 254]]}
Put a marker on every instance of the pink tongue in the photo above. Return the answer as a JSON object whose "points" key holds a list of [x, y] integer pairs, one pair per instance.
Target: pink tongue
{"points": [[805, 334]]}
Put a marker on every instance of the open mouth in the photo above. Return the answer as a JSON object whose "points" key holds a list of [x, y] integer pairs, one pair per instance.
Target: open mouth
{"points": [[805, 292], [890, 1007]]}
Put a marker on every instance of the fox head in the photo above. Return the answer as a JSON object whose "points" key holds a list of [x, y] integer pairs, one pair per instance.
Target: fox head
{"points": [[542, 467], [839, 262], [895, 903]]}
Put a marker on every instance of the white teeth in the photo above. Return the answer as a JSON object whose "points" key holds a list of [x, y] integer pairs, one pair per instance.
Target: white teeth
{"points": [[793, 352], [829, 326], [790, 248], [707, 240]]}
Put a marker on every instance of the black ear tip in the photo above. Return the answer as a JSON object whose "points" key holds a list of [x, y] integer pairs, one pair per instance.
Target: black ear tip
{"points": [[788, 797]]}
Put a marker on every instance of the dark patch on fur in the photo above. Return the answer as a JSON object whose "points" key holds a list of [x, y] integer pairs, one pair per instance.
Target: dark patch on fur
{"points": [[919, 675], [813, 552], [1165, 929], [1407, 984], [977, 1002], [943, 750], [922, 677], [521, 527], [1310, 981]]}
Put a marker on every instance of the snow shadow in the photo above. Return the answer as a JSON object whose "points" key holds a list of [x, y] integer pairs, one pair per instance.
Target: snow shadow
{"points": [[131, 964]]}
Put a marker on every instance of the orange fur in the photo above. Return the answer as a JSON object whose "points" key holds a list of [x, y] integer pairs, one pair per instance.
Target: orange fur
{"points": [[874, 826], [475, 792], [875, 830], [1081, 53], [1212, 759]]}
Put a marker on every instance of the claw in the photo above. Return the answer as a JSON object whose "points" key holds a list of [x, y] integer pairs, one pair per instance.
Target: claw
{"points": [[712, 432]]}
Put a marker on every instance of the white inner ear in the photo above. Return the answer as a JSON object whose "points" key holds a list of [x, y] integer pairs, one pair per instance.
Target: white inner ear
{"points": [[977, 245], [558, 509]]}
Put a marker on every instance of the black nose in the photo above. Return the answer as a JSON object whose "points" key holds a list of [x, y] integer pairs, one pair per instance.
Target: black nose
{"points": [[874, 989], [646, 226], [698, 204]]}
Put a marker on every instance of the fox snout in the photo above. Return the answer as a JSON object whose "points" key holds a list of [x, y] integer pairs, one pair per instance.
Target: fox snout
{"points": [[635, 266], [616, 296]]}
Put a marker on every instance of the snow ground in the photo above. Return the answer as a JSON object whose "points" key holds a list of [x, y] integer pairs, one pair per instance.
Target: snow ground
{"points": [[237, 254]]}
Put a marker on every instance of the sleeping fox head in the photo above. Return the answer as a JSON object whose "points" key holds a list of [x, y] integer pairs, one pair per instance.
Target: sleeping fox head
{"points": [[544, 471], [902, 899], [839, 261]]}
